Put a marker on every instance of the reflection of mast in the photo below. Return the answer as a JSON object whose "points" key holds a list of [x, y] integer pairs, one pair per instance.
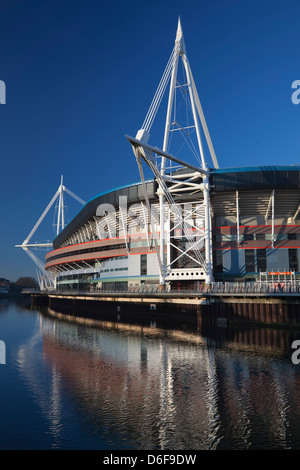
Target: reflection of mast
{"points": [[55, 403], [238, 388], [55, 389], [32, 368], [211, 400], [144, 356], [281, 395], [167, 409]]}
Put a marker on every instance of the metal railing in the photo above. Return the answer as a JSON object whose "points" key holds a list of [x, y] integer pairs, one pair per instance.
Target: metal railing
{"points": [[262, 287]]}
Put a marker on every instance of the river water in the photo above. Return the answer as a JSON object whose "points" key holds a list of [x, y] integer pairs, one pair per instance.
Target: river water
{"points": [[83, 384]]}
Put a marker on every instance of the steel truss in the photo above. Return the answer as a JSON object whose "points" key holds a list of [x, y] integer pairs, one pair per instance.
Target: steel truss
{"points": [[187, 226], [192, 180], [47, 279]]}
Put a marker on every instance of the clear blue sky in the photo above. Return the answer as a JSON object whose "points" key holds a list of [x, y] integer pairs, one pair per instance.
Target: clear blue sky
{"points": [[81, 74]]}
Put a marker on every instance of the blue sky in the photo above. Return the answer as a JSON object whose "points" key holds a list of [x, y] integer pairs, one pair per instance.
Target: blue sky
{"points": [[81, 74]]}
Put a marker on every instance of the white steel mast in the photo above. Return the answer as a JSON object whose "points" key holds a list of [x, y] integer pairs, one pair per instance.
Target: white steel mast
{"points": [[26, 246], [141, 150]]}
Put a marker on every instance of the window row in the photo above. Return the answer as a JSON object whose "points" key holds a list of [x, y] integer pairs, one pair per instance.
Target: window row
{"points": [[255, 236], [120, 246], [112, 269]]}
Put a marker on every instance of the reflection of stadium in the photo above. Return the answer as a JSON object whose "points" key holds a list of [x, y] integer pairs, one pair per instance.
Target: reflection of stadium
{"points": [[169, 394]]}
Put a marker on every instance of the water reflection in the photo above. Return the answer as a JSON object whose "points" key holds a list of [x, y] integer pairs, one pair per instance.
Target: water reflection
{"points": [[147, 387]]}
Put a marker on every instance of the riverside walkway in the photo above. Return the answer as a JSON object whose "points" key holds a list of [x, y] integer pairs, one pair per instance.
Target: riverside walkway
{"points": [[228, 303], [217, 289]]}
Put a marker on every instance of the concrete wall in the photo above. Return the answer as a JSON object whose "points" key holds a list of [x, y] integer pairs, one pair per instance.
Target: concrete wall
{"points": [[152, 265], [134, 265]]}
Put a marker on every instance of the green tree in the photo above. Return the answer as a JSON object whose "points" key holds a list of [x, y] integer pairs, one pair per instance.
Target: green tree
{"points": [[27, 282]]}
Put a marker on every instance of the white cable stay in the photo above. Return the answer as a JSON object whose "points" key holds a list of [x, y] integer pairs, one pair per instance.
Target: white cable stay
{"points": [[147, 124]]}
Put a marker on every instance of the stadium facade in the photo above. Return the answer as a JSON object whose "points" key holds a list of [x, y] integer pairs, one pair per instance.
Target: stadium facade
{"points": [[255, 233]]}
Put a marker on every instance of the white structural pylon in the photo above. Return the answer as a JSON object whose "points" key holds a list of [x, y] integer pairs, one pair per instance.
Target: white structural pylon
{"points": [[46, 279], [143, 151]]}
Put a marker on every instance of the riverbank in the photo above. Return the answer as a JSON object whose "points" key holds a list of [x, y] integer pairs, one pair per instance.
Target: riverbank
{"points": [[13, 295], [224, 309]]}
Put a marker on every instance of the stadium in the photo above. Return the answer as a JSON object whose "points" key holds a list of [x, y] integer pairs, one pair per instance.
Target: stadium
{"points": [[255, 232], [187, 225]]}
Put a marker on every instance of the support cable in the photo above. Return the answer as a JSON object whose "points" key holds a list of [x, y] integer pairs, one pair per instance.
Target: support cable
{"points": [[159, 92]]}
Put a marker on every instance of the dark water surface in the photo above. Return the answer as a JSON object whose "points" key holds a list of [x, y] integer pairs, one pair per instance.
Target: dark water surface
{"points": [[101, 385]]}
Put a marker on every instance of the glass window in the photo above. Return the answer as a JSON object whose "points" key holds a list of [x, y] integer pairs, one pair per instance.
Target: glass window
{"points": [[250, 261], [292, 236], [143, 265], [281, 236], [229, 238], [293, 259], [218, 261], [260, 236], [261, 257], [248, 236]]}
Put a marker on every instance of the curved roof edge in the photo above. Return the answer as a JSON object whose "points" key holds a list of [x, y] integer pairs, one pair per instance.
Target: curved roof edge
{"points": [[258, 168], [134, 193]]}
